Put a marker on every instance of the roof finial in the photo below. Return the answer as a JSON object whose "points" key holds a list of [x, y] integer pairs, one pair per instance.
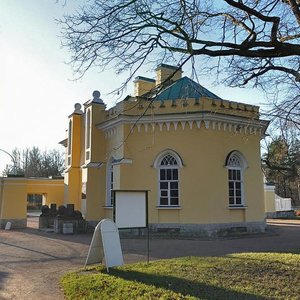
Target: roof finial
{"points": [[96, 97], [77, 109]]}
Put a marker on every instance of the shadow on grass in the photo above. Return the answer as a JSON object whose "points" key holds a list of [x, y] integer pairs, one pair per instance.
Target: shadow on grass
{"points": [[184, 286]]}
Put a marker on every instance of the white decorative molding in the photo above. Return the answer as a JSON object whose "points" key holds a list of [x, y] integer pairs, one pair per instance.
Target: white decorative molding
{"points": [[168, 125], [160, 126], [165, 152], [138, 127], [213, 121], [122, 161], [175, 125], [146, 127], [182, 124]]}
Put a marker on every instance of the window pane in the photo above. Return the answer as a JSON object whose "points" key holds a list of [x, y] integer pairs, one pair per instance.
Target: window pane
{"points": [[231, 185], [163, 185], [174, 193], [231, 200], [238, 185], [164, 193], [175, 174], [230, 174], [238, 175], [169, 177], [238, 193], [162, 174], [163, 201], [174, 201], [168, 160], [231, 193], [174, 185], [238, 200], [234, 174]]}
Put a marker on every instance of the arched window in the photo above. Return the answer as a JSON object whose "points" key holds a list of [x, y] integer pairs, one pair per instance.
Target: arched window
{"points": [[69, 151], [235, 164], [70, 138], [87, 134], [168, 165], [109, 182], [87, 128]]}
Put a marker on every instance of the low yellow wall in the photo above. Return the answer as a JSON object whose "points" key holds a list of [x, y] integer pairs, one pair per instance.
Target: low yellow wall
{"points": [[13, 197], [270, 199]]}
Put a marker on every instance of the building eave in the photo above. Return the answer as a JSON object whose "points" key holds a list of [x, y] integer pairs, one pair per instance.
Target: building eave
{"points": [[181, 117]]}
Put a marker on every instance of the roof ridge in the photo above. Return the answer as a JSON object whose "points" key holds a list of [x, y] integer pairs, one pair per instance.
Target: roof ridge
{"points": [[185, 87]]}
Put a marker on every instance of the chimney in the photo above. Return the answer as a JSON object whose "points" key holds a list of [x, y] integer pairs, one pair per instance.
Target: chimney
{"points": [[143, 85], [164, 71]]}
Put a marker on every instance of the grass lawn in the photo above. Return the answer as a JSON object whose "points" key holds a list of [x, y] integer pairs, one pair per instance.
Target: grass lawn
{"points": [[236, 276]]}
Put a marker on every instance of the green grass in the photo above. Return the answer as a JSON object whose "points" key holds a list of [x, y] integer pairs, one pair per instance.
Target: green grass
{"points": [[237, 276]]}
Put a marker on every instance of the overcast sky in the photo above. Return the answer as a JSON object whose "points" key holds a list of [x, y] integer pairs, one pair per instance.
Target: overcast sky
{"points": [[37, 90]]}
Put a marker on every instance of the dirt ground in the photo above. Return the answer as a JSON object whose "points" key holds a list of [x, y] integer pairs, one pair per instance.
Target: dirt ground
{"points": [[31, 261]]}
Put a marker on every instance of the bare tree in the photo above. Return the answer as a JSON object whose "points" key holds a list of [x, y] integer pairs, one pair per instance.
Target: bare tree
{"points": [[31, 162], [244, 41], [281, 161]]}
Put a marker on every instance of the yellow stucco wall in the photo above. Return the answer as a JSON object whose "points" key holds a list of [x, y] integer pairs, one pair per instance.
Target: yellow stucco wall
{"points": [[72, 178], [14, 198], [14, 191], [269, 196], [142, 86], [203, 178]]}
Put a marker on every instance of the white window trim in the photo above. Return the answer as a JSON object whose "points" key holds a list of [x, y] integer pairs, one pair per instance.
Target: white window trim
{"points": [[70, 139], [161, 155], [157, 165], [88, 135], [109, 166], [242, 168], [172, 207]]}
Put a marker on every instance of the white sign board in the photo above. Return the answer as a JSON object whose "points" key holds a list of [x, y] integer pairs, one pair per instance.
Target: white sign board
{"points": [[105, 244], [95, 254], [130, 209]]}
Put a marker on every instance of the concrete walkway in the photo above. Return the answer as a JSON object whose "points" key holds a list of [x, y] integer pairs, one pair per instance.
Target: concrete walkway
{"points": [[31, 261]]}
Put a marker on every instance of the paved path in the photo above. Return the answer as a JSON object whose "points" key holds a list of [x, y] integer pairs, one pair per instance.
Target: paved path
{"points": [[31, 262]]}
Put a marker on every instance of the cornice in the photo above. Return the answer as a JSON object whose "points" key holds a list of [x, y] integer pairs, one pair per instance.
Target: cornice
{"points": [[188, 120]]}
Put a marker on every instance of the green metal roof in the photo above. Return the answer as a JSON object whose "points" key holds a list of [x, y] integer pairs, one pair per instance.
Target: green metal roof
{"points": [[185, 88]]}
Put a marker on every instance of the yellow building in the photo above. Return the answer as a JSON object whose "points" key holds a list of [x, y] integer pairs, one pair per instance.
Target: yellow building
{"points": [[197, 154], [13, 197]]}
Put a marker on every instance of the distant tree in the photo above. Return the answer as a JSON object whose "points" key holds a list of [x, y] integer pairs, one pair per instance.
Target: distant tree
{"points": [[32, 162], [245, 41], [281, 163]]}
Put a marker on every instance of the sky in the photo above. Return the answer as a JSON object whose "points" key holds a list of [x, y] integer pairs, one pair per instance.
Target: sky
{"points": [[38, 89]]}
